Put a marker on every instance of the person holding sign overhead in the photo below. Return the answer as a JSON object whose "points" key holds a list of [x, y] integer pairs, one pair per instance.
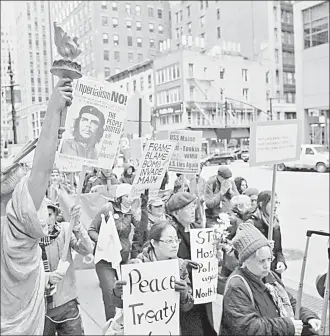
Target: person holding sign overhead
{"points": [[164, 245]]}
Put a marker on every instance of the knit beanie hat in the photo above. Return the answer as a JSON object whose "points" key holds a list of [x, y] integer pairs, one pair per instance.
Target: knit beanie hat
{"points": [[11, 179], [179, 200], [224, 172], [248, 240], [251, 192]]}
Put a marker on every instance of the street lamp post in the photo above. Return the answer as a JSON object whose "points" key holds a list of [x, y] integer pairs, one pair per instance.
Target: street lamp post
{"points": [[12, 98]]}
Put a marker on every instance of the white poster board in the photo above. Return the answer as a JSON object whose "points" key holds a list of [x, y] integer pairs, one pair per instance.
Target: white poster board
{"points": [[151, 305], [187, 153], [274, 142], [152, 168], [93, 126], [205, 278]]}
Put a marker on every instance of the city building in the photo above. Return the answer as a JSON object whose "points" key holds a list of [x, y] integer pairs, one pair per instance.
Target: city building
{"points": [[263, 29], [113, 35], [33, 38], [311, 24]]}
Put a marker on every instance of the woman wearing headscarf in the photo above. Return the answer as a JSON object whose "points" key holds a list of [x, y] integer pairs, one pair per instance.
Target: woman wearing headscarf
{"points": [[255, 300], [241, 184], [261, 219]]}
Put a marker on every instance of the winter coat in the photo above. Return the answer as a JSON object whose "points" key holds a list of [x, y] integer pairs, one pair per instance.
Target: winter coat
{"points": [[196, 315], [214, 201], [257, 219], [125, 178], [123, 223], [241, 317]]}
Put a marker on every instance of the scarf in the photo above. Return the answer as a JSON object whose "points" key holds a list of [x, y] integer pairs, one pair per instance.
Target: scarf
{"points": [[280, 298], [265, 218]]}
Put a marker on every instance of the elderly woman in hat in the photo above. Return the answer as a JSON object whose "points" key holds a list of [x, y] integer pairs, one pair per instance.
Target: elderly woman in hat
{"points": [[62, 314], [124, 217], [23, 222], [255, 300]]}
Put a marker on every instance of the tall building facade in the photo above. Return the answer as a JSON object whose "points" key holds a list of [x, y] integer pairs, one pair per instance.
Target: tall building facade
{"points": [[33, 38], [114, 35], [311, 21]]}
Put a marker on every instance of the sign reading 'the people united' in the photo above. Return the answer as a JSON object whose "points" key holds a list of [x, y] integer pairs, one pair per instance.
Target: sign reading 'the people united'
{"points": [[94, 124], [151, 305]]}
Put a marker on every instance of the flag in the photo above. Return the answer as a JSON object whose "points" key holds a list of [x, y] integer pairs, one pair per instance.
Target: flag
{"points": [[108, 246]]}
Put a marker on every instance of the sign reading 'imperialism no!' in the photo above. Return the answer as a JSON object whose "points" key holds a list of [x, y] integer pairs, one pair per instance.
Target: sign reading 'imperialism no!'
{"points": [[187, 153]]}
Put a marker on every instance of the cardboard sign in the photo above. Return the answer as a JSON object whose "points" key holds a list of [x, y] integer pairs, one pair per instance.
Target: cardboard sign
{"points": [[205, 278], [151, 305], [187, 154], [273, 142], [152, 168], [94, 124]]}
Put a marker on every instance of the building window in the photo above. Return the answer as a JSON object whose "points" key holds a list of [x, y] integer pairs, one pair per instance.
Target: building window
{"points": [[115, 22], [245, 75], [201, 21], [150, 12], [152, 43], [116, 40], [245, 94], [218, 14], [275, 13], [134, 85], [149, 81], [128, 8], [276, 34], [277, 77], [140, 57], [129, 41], [276, 56], [181, 15], [191, 70], [104, 21], [128, 24], [188, 11], [138, 26], [138, 10], [105, 38], [106, 72], [278, 96], [222, 73], [267, 77], [114, 6], [316, 25], [189, 28], [130, 58], [106, 55], [151, 27], [127, 87], [160, 29], [160, 13], [150, 98], [201, 4], [141, 83], [116, 55], [218, 32], [104, 5], [139, 42]]}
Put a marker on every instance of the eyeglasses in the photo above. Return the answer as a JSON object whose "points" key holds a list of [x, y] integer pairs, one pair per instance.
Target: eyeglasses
{"points": [[171, 241], [264, 261]]}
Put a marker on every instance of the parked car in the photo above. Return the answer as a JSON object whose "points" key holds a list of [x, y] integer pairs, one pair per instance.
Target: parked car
{"points": [[312, 157], [245, 156], [218, 158]]}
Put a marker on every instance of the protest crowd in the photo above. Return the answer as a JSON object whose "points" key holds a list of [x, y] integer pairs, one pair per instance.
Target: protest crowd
{"points": [[48, 216]]}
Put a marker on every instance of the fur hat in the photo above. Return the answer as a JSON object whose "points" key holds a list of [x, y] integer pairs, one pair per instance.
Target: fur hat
{"points": [[248, 240], [180, 200], [11, 179]]}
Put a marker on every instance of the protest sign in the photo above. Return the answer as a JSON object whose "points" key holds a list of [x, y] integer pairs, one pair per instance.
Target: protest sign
{"points": [[152, 168], [205, 278], [187, 153], [273, 142], [94, 124], [151, 305]]}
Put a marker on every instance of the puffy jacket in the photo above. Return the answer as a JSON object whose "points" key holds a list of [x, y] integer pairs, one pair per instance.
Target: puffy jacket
{"points": [[123, 223], [241, 317], [214, 201]]}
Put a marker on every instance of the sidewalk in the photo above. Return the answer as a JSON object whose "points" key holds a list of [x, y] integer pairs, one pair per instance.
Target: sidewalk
{"points": [[92, 310]]}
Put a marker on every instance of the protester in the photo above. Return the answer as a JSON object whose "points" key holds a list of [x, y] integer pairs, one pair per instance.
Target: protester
{"points": [[155, 213], [62, 312], [128, 174], [261, 218], [23, 278], [182, 207], [219, 191], [256, 301], [87, 132], [124, 217], [241, 184], [253, 194], [90, 177], [164, 245]]}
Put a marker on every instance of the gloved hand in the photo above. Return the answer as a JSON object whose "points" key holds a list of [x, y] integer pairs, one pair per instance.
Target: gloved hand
{"points": [[182, 288], [280, 267], [187, 264], [118, 289], [298, 326], [315, 324]]}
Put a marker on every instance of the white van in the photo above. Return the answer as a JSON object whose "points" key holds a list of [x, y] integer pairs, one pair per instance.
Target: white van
{"points": [[312, 157]]}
